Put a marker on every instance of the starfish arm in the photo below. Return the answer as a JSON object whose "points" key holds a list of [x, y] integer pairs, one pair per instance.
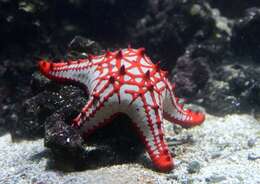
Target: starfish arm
{"points": [[147, 119], [85, 113], [73, 71], [97, 112], [174, 112]]}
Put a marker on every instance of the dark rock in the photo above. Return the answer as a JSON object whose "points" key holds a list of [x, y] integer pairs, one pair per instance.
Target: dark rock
{"points": [[21, 22], [80, 44], [219, 100], [193, 167], [38, 82], [15, 79], [233, 8], [38, 100], [33, 111], [44, 27], [245, 38], [169, 26], [213, 50], [189, 33], [106, 147], [234, 88], [191, 75], [63, 140]]}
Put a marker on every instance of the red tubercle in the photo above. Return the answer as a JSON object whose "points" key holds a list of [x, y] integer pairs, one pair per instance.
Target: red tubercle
{"points": [[108, 53], [112, 79], [119, 55], [91, 57], [122, 70], [147, 74], [96, 96], [141, 51], [157, 66]]}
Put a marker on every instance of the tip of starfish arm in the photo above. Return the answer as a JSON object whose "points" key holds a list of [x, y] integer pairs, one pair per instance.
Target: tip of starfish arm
{"points": [[44, 67], [164, 163], [200, 118], [197, 119]]}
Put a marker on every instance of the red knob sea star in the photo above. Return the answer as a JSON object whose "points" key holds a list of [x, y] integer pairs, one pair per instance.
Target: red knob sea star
{"points": [[126, 81]]}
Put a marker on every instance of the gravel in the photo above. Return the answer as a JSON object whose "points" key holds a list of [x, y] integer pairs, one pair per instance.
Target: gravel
{"points": [[193, 167], [29, 162]]}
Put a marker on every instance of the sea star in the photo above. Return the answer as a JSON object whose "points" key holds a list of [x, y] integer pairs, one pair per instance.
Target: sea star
{"points": [[126, 81]]}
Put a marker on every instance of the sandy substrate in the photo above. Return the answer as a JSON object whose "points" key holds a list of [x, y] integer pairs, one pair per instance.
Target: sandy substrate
{"points": [[224, 150]]}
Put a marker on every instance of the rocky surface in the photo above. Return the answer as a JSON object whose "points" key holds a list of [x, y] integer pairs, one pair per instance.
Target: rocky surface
{"points": [[234, 88], [219, 151], [169, 27], [245, 40], [233, 8]]}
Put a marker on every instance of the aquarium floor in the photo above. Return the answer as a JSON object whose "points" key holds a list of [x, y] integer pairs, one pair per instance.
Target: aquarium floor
{"points": [[225, 148]]}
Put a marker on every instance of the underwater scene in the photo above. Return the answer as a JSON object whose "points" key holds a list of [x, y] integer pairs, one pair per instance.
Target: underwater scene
{"points": [[137, 92]]}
